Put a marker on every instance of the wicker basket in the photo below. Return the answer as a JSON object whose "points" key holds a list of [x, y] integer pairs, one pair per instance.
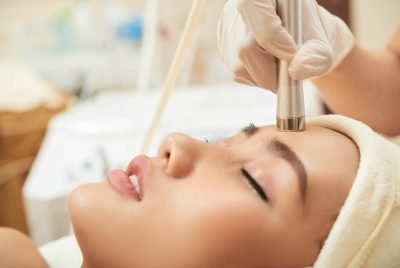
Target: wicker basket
{"points": [[21, 134]]}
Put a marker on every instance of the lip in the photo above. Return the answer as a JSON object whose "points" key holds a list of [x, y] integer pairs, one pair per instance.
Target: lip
{"points": [[139, 167], [120, 181]]}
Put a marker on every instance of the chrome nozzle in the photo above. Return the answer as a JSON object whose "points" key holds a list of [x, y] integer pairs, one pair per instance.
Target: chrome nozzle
{"points": [[290, 107]]}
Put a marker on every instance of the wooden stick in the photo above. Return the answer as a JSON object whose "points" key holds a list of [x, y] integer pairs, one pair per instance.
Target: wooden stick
{"points": [[149, 43], [174, 70]]}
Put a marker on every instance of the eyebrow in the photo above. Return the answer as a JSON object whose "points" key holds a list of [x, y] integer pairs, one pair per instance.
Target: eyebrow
{"points": [[284, 151], [250, 129]]}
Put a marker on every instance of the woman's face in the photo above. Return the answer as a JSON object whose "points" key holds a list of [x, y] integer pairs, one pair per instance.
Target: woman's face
{"points": [[262, 198]]}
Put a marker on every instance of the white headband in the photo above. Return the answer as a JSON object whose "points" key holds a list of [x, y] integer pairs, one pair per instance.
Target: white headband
{"points": [[367, 230]]}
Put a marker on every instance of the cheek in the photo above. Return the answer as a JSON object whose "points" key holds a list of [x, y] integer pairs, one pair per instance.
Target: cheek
{"points": [[220, 225], [229, 227]]}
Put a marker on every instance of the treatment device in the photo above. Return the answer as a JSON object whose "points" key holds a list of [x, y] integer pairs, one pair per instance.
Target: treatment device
{"points": [[290, 108], [290, 114]]}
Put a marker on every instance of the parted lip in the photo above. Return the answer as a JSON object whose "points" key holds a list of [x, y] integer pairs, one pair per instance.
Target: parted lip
{"points": [[139, 167], [120, 180]]}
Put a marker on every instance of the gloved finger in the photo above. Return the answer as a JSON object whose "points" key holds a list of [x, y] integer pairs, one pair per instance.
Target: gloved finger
{"points": [[266, 26], [313, 59], [338, 35], [241, 75], [231, 37], [243, 57], [260, 66]]}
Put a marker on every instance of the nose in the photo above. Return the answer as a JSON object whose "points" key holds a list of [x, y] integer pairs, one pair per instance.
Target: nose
{"points": [[180, 152]]}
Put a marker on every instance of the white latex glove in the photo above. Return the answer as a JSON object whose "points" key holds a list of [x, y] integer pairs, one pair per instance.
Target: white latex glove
{"points": [[251, 38]]}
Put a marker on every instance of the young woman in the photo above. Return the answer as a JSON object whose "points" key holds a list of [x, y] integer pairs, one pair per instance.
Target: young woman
{"points": [[261, 198]]}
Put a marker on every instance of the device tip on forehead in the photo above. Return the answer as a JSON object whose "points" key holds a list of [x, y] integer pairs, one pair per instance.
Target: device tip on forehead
{"points": [[295, 124]]}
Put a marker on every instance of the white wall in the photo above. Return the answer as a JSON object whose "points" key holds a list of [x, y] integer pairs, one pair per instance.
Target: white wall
{"points": [[375, 21]]}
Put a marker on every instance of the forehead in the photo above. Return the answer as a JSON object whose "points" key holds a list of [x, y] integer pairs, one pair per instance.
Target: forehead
{"points": [[324, 152], [314, 134], [311, 132], [314, 144]]}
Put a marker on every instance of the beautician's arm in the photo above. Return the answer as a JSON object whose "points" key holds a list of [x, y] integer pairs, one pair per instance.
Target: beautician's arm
{"points": [[366, 86], [17, 250]]}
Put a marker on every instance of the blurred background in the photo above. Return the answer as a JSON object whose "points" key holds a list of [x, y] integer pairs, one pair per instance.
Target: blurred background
{"points": [[84, 46], [79, 81]]}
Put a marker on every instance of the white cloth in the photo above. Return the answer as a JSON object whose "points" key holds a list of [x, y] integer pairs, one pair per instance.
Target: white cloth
{"points": [[367, 230], [62, 253]]}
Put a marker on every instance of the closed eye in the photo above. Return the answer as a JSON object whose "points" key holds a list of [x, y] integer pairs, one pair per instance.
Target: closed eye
{"points": [[255, 185]]}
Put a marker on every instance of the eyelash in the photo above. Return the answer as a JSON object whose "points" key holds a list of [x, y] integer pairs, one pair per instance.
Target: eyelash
{"points": [[251, 127], [254, 184]]}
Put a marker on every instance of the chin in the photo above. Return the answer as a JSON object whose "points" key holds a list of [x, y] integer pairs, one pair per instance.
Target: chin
{"points": [[79, 201], [85, 205]]}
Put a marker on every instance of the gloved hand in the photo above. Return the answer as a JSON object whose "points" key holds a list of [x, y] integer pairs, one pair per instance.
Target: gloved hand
{"points": [[251, 38]]}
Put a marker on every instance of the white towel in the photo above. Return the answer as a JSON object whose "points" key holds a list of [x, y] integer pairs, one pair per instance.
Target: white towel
{"points": [[367, 230], [62, 253]]}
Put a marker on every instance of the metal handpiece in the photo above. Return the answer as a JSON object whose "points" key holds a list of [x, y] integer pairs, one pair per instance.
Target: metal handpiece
{"points": [[290, 108]]}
